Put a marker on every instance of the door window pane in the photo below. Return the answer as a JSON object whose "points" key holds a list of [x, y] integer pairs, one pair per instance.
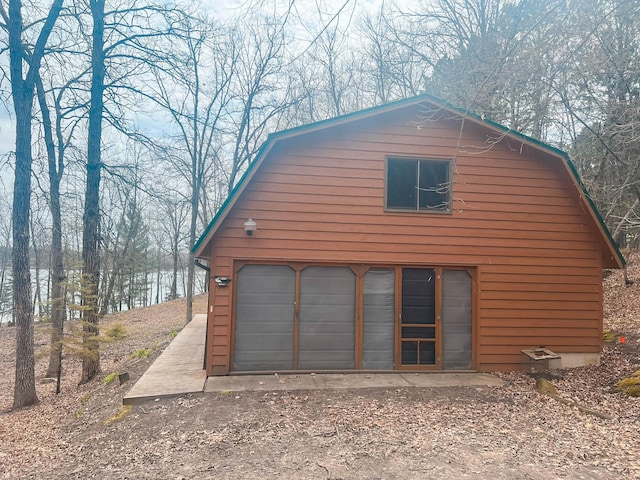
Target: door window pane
{"points": [[418, 296], [418, 332], [409, 353], [427, 353], [418, 353]]}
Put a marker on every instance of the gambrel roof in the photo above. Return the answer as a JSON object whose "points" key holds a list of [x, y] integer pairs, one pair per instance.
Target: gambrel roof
{"points": [[612, 257]]}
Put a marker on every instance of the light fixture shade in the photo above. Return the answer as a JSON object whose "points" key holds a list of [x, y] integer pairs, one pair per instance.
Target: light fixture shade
{"points": [[250, 226]]}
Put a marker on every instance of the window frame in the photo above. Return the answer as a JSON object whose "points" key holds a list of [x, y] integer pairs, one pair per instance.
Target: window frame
{"points": [[447, 210]]}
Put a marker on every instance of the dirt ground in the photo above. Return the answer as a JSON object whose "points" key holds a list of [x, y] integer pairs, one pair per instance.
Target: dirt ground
{"points": [[509, 432]]}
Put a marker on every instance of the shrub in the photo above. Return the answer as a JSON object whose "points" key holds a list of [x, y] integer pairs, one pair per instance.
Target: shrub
{"points": [[86, 397], [608, 336], [630, 385], [142, 353], [116, 331], [110, 378], [123, 412]]}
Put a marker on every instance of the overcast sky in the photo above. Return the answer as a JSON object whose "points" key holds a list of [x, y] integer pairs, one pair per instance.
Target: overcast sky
{"points": [[221, 9]]}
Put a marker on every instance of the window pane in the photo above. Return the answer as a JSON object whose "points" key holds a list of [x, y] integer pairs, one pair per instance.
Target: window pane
{"points": [[401, 183], [434, 185]]}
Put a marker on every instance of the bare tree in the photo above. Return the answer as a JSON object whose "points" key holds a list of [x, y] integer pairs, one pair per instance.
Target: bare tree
{"points": [[6, 290], [55, 169], [176, 211], [122, 243], [131, 32], [336, 90], [393, 68], [91, 216], [263, 90], [484, 55], [196, 105], [22, 53], [601, 95]]}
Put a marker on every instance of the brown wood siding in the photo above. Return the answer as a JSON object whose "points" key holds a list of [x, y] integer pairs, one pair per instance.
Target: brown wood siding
{"points": [[219, 319], [517, 217]]}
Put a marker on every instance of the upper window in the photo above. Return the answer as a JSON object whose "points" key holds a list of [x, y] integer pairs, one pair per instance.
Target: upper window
{"points": [[414, 184]]}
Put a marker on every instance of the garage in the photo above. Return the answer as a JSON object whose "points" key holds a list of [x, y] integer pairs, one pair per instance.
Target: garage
{"points": [[451, 246], [338, 318]]}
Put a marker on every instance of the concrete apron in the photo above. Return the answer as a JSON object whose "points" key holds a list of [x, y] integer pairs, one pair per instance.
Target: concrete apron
{"points": [[308, 381], [178, 371]]}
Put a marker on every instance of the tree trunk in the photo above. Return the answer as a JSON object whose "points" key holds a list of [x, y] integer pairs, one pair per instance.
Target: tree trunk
{"points": [[57, 274], [147, 294], [22, 93], [191, 259], [158, 279], [91, 217], [174, 281], [25, 383], [37, 296]]}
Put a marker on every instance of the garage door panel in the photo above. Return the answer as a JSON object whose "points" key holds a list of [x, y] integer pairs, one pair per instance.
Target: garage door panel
{"points": [[379, 315], [272, 312], [271, 299], [257, 357], [456, 320], [272, 329], [327, 318], [264, 322]]}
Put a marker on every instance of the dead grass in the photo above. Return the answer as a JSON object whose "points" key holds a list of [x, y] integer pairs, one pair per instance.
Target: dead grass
{"points": [[508, 432], [36, 434]]}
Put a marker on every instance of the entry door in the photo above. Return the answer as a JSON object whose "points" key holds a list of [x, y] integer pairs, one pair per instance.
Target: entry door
{"points": [[436, 320], [418, 329]]}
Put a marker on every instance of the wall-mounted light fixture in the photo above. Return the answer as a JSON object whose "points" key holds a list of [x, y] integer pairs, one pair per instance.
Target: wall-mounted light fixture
{"points": [[221, 281], [250, 226]]}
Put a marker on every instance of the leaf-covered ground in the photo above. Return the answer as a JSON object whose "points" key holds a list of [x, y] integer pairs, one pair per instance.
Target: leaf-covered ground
{"points": [[508, 432]]}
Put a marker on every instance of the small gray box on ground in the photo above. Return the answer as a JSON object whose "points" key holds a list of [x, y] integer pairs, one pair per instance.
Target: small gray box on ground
{"points": [[539, 359]]}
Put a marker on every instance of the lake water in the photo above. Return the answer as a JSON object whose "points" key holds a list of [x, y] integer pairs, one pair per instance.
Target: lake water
{"points": [[155, 290]]}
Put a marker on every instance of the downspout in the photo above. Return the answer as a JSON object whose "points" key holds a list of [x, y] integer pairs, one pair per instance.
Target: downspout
{"points": [[207, 269]]}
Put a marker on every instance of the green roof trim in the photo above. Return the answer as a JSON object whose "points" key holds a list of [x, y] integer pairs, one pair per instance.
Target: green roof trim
{"points": [[229, 198], [274, 137], [596, 211]]}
